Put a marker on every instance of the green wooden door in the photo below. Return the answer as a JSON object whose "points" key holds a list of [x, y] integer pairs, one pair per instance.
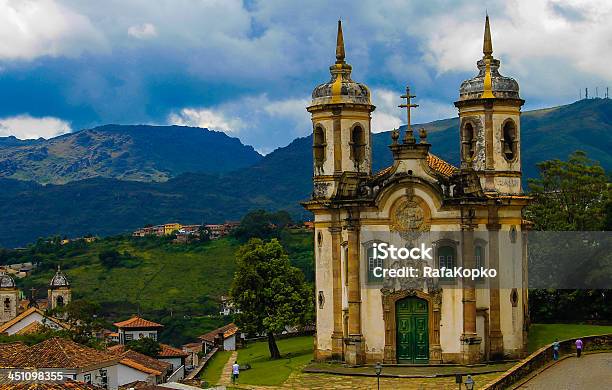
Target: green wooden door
{"points": [[412, 331]]}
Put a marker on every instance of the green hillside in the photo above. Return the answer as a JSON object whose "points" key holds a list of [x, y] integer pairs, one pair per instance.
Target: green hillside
{"points": [[106, 206], [176, 284]]}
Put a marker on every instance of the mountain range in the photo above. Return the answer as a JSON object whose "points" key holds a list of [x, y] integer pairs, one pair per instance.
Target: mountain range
{"points": [[113, 179]]}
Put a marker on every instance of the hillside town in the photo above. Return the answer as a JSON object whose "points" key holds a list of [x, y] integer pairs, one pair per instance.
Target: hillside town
{"points": [[114, 364]]}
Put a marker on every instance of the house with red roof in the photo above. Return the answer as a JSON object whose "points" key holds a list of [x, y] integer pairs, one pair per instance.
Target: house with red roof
{"points": [[137, 328], [225, 338]]}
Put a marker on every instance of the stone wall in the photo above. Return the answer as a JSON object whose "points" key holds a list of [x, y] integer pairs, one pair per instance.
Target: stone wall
{"points": [[543, 356]]}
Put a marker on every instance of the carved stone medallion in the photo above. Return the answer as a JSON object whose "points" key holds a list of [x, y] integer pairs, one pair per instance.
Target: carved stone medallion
{"points": [[409, 217]]}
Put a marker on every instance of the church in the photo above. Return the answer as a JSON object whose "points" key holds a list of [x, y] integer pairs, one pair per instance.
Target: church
{"points": [[21, 316], [471, 215]]}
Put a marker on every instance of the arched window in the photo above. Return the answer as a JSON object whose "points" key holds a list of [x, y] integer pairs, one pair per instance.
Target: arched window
{"points": [[509, 140], [319, 147], [447, 258], [469, 141], [357, 144], [7, 304], [60, 301]]}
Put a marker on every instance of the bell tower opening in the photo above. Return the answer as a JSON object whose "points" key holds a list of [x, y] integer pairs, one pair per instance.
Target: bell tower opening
{"points": [[509, 140], [358, 145], [319, 149]]}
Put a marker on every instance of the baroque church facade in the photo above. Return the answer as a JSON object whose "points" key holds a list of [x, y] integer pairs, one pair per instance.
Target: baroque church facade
{"points": [[470, 215], [59, 293]]}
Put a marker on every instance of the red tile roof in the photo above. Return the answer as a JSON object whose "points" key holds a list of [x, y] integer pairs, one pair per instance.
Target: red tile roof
{"points": [[137, 322], [8, 352], [441, 166], [227, 330], [68, 384], [27, 313], [168, 351], [60, 353], [139, 361]]}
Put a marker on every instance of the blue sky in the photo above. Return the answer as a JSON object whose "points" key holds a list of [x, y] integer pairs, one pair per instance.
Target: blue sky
{"points": [[248, 67]]}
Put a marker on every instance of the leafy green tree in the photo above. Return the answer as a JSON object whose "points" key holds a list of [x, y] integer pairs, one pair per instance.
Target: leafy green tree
{"points": [[110, 258], [261, 224], [570, 195], [270, 293], [82, 319], [146, 346]]}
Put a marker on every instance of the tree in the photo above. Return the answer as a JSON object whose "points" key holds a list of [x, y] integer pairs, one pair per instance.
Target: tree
{"points": [[82, 319], [110, 258], [570, 195], [261, 224], [270, 293], [146, 346]]}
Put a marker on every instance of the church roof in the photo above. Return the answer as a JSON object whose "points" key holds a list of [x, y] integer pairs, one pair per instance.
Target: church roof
{"points": [[434, 162], [137, 322], [500, 86], [340, 88], [59, 279], [6, 281], [437, 164]]}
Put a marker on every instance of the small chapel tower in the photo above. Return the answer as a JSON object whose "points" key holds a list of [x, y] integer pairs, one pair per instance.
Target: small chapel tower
{"points": [[59, 293], [9, 296], [490, 122], [341, 116]]}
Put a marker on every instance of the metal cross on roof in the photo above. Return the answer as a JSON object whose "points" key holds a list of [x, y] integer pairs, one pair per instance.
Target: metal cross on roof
{"points": [[408, 106]]}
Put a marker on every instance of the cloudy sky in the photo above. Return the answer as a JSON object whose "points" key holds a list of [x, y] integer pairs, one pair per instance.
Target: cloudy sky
{"points": [[248, 67]]}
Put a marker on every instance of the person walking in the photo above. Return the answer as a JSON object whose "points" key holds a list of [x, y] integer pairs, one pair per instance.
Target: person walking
{"points": [[555, 346], [578, 347], [235, 372]]}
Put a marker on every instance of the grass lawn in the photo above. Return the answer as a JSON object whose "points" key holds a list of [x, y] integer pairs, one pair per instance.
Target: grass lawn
{"points": [[213, 370], [542, 334], [296, 353]]}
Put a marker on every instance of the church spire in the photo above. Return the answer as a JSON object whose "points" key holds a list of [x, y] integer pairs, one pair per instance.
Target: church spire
{"points": [[340, 45], [487, 50], [487, 46]]}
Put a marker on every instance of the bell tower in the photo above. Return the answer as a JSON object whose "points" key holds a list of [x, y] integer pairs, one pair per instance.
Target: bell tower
{"points": [[9, 297], [490, 123], [341, 117], [59, 293]]}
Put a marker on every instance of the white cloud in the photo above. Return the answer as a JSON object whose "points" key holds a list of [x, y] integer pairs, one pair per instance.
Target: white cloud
{"points": [[208, 118], [260, 121], [29, 29], [27, 127], [387, 114], [142, 31]]}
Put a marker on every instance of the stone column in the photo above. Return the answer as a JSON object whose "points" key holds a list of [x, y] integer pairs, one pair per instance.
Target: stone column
{"points": [[355, 352], [470, 342], [435, 350], [337, 337], [496, 339]]}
